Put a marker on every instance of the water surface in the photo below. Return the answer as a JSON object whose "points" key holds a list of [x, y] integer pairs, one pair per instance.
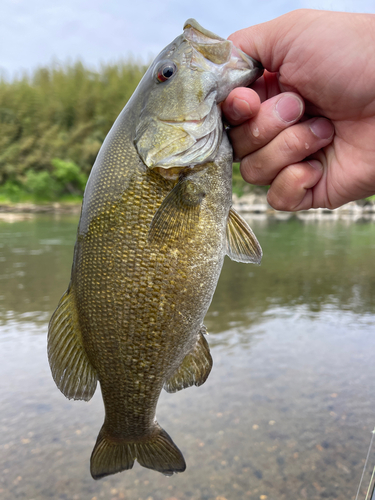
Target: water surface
{"points": [[286, 413]]}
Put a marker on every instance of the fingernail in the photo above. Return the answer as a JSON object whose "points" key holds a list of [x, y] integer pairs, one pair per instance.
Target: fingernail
{"points": [[322, 128], [240, 109], [315, 164], [289, 108]]}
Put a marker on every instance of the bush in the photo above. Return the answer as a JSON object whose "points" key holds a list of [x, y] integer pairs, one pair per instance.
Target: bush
{"points": [[69, 176], [40, 185], [11, 191], [53, 123]]}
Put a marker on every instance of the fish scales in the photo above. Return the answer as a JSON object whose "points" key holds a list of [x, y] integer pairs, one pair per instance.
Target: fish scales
{"points": [[140, 312], [155, 225], [146, 269]]}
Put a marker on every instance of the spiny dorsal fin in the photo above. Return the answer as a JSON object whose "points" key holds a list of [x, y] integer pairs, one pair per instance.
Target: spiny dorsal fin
{"points": [[178, 213], [70, 366], [242, 245], [194, 369]]}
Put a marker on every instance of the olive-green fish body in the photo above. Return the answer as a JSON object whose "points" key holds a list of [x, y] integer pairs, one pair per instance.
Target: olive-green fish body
{"points": [[155, 226]]}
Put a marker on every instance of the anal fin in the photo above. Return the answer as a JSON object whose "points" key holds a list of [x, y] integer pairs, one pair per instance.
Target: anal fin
{"points": [[194, 369], [71, 369]]}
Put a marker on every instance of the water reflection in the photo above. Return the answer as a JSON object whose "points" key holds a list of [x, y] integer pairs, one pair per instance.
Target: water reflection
{"points": [[286, 413], [35, 259], [311, 264]]}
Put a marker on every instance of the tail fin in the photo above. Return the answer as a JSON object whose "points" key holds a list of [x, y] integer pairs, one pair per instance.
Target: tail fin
{"points": [[157, 452]]}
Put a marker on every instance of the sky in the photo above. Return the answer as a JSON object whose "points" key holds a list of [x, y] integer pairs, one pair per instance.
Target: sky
{"points": [[36, 32]]}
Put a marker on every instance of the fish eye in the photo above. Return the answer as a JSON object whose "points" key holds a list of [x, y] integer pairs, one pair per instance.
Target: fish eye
{"points": [[166, 71]]}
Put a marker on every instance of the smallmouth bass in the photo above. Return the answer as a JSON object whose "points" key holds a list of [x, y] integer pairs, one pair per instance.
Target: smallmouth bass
{"points": [[155, 225]]}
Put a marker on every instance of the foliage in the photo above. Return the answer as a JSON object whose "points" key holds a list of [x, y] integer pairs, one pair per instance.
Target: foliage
{"points": [[69, 176], [240, 187], [65, 178], [53, 123], [238, 184]]}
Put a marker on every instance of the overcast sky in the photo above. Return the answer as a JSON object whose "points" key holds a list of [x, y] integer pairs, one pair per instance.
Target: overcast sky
{"points": [[35, 32]]}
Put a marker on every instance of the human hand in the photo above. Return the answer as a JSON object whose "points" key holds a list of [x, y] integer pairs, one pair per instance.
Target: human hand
{"points": [[318, 64]]}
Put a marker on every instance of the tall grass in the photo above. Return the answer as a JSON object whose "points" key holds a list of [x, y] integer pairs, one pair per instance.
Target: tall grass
{"points": [[52, 124]]}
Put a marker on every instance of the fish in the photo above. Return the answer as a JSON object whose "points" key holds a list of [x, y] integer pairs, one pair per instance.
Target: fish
{"points": [[155, 226]]}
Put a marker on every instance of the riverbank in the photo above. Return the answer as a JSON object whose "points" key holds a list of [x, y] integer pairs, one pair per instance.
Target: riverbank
{"points": [[34, 208], [250, 203], [256, 203], [22, 211]]}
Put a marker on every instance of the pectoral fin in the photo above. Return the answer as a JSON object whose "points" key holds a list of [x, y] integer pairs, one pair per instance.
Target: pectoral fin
{"points": [[242, 245], [194, 369], [70, 366], [178, 213]]}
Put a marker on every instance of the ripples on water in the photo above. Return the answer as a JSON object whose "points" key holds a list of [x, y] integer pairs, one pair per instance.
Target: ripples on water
{"points": [[286, 413]]}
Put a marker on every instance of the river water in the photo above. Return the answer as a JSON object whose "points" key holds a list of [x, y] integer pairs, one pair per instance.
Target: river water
{"points": [[286, 413]]}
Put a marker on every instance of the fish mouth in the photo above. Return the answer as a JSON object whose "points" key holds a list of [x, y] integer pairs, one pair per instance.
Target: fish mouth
{"points": [[193, 24], [214, 54], [219, 50], [211, 46]]}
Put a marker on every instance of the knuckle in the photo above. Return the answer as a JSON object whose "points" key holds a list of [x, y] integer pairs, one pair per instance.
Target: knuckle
{"points": [[283, 204], [291, 143], [277, 202], [287, 191], [245, 170], [251, 170], [297, 174]]}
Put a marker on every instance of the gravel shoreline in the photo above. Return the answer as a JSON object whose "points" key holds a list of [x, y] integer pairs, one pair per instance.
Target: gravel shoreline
{"points": [[32, 208], [251, 203]]}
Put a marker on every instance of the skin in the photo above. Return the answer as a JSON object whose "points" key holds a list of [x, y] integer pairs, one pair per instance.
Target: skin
{"points": [[307, 127]]}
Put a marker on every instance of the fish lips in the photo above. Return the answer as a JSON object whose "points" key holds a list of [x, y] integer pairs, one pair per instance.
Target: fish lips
{"points": [[234, 67]]}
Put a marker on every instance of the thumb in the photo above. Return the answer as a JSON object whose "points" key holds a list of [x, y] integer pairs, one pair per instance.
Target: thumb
{"points": [[270, 42]]}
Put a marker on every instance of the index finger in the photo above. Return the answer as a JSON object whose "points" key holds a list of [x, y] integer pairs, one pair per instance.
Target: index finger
{"points": [[240, 105], [243, 103]]}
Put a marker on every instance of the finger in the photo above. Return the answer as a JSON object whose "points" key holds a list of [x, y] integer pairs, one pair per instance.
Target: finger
{"points": [[243, 103], [275, 115], [240, 105], [292, 188], [292, 145], [267, 85]]}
